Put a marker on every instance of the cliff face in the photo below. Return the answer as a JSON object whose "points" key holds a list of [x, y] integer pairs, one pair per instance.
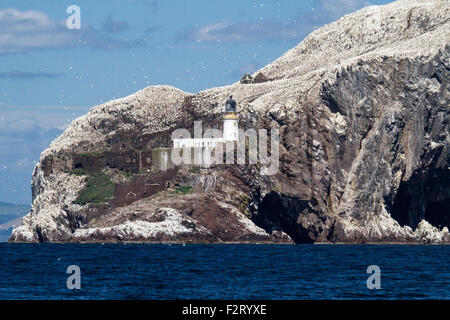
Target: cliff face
{"points": [[362, 106]]}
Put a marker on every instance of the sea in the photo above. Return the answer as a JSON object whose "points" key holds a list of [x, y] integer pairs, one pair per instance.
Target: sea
{"points": [[242, 272]]}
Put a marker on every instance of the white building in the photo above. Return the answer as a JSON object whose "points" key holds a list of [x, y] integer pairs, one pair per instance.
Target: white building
{"points": [[230, 133], [196, 142], [230, 126]]}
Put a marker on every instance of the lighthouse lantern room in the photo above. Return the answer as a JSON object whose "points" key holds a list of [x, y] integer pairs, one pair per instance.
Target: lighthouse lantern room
{"points": [[230, 121]]}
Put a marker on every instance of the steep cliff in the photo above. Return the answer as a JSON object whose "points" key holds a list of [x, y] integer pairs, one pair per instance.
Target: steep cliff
{"points": [[362, 106]]}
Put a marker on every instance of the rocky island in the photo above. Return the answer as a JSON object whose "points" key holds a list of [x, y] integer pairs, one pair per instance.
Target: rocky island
{"points": [[362, 107]]}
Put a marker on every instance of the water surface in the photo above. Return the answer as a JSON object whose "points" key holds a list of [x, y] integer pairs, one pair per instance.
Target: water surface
{"points": [[118, 271]]}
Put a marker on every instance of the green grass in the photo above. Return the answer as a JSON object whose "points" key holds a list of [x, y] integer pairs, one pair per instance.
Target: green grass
{"points": [[194, 170], [146, 171], [99, 189], [77, 172], [129, 175], [182, 190]]}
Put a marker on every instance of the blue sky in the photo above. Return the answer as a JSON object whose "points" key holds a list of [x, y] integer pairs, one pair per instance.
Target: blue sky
{"points": [[49, 75]]}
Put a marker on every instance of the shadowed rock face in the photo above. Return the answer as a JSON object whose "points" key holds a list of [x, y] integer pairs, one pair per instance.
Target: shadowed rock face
{"points": [[363, 115]]}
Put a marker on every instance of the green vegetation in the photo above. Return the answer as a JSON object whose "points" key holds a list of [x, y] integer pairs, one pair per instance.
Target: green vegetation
{"points": [[146, 171], [194, 170], [129, 175], [182, 190], [99, 189], [77, 172], [244, 202]]}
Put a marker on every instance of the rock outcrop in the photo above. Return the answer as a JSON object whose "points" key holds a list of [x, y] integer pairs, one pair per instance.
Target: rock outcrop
{"points": [[362, 106]]}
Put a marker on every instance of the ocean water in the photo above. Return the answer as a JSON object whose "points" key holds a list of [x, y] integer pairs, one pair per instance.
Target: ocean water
{"points": [[118, 271]]}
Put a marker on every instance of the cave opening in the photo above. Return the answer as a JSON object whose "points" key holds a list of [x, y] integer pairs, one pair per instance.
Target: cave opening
{"points": [[79, 166], [426, 195], [279, 212], [438, 214]]}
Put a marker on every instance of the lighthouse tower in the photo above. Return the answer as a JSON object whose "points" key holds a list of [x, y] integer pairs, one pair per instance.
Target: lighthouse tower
{"points": [[230, 121]]}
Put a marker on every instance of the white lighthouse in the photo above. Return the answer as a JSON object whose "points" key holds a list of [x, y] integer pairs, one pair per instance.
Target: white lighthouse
{"points": [[230, 121], [230, 131]]}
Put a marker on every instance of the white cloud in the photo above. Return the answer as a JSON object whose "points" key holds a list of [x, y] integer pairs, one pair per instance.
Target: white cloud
{"points": [[21, 142], [27, 30], [22, 31], [47, 117], [341, 7], [247, 68], [15, 21], [295, 28]]}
